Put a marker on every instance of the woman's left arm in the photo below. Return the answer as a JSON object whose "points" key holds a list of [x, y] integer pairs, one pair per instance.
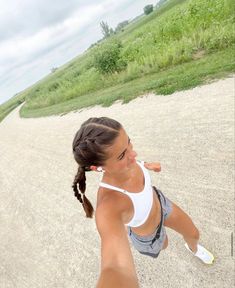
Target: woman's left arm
{"points": [[154, 166]]}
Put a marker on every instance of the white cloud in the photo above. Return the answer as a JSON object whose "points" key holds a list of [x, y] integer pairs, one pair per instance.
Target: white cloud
{"points": [[36, 36], [20, 47]]}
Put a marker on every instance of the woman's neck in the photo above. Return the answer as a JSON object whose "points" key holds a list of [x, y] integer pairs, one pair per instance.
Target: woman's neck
{"points": [[120, 178]]}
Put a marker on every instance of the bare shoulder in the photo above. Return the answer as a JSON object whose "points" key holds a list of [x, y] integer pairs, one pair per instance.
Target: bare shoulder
{"points": [[108, 207], [111, 203], [115, 250]]}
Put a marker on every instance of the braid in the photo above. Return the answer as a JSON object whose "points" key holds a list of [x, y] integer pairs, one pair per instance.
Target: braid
{"points": [[80, 179], [89, 144], [77, 179]]}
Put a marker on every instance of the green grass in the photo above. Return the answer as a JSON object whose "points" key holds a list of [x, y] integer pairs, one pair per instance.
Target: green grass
{"points": [[146, 19], [10, 105], [177, 78], [152, 48], [8, 109]]}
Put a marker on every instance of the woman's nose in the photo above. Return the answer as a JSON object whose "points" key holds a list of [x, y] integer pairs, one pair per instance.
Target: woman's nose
{"points": [[132, 154]]}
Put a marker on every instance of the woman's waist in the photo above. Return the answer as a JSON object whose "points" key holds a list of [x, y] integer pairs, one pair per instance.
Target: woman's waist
{"points": [[152, 221]]}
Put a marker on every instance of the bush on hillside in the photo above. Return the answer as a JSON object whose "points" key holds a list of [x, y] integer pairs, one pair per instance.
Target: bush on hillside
{"points": [[107, 57], [148, 9], [121, 26]]}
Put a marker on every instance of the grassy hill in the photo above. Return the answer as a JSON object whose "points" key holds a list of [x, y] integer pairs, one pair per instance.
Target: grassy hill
{"points": [[179, 45]]}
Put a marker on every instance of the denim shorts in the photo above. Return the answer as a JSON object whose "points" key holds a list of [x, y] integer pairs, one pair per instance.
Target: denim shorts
{"points": [[149, 245]]}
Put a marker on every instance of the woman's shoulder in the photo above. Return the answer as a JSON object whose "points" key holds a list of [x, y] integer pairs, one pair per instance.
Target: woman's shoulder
{"points": [[107, 208], [108, 200], [111, 203]]}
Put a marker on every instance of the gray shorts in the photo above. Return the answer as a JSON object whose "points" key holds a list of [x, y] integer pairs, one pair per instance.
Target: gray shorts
{"points": [[149, 245]]}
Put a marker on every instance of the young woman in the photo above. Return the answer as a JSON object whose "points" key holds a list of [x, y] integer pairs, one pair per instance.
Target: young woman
{"points": [[126, 198]]}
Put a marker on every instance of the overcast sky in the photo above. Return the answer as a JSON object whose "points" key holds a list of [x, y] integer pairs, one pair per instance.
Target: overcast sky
{"points": [[38, 35]]}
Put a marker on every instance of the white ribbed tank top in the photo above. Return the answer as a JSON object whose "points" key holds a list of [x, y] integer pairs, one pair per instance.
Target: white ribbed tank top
{"points": [[142, 201]]}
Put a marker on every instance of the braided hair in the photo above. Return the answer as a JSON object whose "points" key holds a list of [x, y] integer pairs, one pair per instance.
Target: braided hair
{"points": [[89, 145]]}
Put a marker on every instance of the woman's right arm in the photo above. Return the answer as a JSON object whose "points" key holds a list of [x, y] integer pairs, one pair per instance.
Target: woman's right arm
{"points": [[117, 265]]}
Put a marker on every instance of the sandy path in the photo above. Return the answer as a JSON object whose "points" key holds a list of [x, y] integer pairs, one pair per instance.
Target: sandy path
{"points": [[46, 242]]}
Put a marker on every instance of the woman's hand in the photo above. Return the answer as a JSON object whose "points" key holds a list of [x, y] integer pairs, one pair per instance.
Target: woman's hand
{"points": [[154, 166]]}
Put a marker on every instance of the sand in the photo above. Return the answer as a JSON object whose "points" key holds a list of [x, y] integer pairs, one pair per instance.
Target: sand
{"points": [[46, 241]]}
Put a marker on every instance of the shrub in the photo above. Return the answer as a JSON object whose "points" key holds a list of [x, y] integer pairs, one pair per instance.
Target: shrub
{"points": [[121, 26], [148, 9], [107, 57]]}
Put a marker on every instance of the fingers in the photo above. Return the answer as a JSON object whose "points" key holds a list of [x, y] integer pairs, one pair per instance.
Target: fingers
{"points": [[156, 166]]}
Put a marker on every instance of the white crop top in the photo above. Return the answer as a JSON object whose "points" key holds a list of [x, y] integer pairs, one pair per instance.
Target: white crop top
{"points": [[142, 201]]}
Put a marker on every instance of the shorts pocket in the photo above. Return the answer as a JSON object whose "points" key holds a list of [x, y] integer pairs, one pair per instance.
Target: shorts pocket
{"points": [[146, 247], [140, 242]]}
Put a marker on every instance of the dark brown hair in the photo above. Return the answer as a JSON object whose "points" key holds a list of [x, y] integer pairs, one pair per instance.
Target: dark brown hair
{"points": [[89, 144]]}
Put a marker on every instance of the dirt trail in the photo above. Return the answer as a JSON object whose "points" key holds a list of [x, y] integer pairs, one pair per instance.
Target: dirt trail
{"points": [[46, 242]]}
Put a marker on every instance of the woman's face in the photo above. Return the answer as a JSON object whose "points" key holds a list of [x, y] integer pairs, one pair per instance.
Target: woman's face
{"points": [[121, 155]]}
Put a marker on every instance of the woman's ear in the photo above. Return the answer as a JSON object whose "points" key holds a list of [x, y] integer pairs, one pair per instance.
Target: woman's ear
{"points": [[93, 168], [97, 169]]}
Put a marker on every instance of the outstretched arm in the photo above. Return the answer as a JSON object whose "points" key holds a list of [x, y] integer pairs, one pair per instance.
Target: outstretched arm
{"points": [[116, 278], [117, 265], [154, 166]]}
